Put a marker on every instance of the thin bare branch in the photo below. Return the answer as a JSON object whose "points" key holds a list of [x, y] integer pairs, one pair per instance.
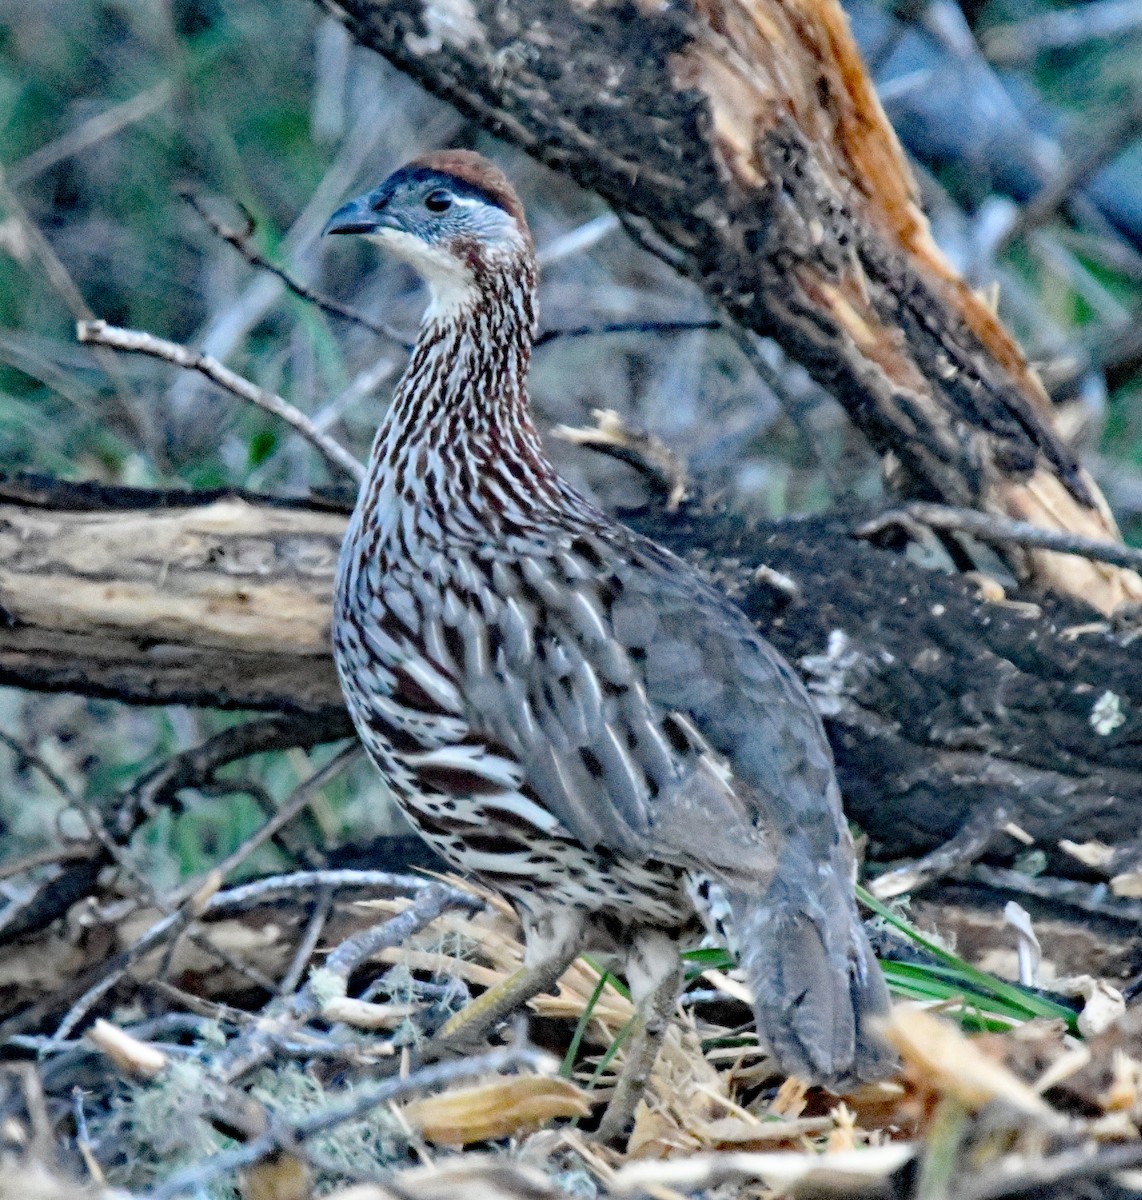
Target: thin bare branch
{"points": [[90, 815], [657, 327], [294, 805], [261, 891], [198, 766], [1022, 41], [641, 449], [579, 239], [794, 406], [1038, 1176], [135, 341], [322, 907], [965, 847], [258, 1044], [91, 132], [47, 858], [1096, 151], [363, 385], [423, 911], [60, 278], [1001, 531], [240, 240], [86, 1002]]}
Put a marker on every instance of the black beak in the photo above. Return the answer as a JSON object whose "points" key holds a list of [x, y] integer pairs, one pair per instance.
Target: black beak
{"points": [[362, 215]]}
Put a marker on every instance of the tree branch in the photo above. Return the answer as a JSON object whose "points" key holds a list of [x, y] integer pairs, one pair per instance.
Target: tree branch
{"points": [[135, 341]]}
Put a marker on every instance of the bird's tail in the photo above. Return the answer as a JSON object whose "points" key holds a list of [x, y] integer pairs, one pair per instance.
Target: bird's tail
{"points": [[817, 987]]}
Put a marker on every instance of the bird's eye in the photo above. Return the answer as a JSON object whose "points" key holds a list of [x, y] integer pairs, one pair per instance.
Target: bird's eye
{"points": [[438, 201]]}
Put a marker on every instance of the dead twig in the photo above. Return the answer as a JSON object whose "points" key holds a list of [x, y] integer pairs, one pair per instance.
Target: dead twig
{"points": [[89, 814], [1002, 531], [91, 132], [86, 1002], [256, 1047], [658, 327], [240, 240], [136, 341], [967, 845], [1085, 897], [188, 904], [193, 768], [1036, 1176], [1078, 168], [290, 1136], [47, 858], [292, 807], [361, 386], [423, 911], [795, 407], [639, 448], [198, 766], [1022, 41], [212, 1010], [60, 279], [321, 908], [262, 891]]}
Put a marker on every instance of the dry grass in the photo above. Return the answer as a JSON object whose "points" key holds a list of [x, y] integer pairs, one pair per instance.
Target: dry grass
{"points": [[172, 1106]]}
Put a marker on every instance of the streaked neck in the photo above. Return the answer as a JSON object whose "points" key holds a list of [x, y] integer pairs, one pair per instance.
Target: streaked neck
{"points": [[458, 448]]}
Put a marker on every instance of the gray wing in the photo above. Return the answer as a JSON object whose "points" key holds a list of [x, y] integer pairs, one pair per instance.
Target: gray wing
{"points": [[649, 716]]}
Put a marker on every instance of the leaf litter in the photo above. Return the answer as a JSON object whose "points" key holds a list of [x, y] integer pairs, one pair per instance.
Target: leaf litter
{"points": [[173, 1112]]}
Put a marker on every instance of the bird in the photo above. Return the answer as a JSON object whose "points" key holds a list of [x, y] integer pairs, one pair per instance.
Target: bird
{"points": [[566, 710]]}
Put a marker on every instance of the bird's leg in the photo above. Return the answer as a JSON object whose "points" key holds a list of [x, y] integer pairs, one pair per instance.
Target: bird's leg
{"points": [[554, 941], [655, 975]]}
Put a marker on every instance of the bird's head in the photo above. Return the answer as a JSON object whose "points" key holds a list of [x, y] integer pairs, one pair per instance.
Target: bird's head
{"points": [[452, 216]]}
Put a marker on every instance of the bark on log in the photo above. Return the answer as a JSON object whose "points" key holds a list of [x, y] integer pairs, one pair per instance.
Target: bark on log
{"points": [[744, 140], [222, 603], [941, 706]]}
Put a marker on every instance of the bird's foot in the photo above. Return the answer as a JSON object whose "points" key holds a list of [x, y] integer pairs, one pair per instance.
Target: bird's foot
{"points": [[476, 1020], [655, 1011]]}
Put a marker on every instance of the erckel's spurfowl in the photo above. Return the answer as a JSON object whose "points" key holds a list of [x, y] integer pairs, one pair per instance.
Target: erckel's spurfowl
{"points": [[565, 709]]}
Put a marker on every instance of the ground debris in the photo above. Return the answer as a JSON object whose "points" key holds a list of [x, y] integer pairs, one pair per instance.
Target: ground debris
{"points": [[201, 1087]]}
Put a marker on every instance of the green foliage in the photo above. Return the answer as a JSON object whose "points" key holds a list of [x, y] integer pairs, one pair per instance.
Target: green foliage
{"points": [[985, 996], [568, 1063]]}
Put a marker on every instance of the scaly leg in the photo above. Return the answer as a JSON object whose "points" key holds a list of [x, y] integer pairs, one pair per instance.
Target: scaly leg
{"points": [[655, 975], [554, 940]]}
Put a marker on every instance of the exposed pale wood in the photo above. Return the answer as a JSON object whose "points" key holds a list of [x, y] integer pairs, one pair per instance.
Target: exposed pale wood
{"points": [[225, 604]]}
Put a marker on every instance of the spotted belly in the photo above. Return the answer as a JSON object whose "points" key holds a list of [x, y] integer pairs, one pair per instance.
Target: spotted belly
{"points": [[534, 867], [507, 839]]}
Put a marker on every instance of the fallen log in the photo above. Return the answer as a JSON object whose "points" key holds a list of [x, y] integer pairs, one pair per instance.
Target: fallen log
{"points": [[941, 705]]}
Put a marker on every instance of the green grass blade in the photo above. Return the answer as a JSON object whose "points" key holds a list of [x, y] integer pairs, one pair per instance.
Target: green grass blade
{"points": [[616, 982], [568, 1063], [612, 1050], [987, 988]]}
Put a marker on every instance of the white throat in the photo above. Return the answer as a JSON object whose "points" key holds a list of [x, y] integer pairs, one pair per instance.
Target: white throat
{"points": [[451, 285]]}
